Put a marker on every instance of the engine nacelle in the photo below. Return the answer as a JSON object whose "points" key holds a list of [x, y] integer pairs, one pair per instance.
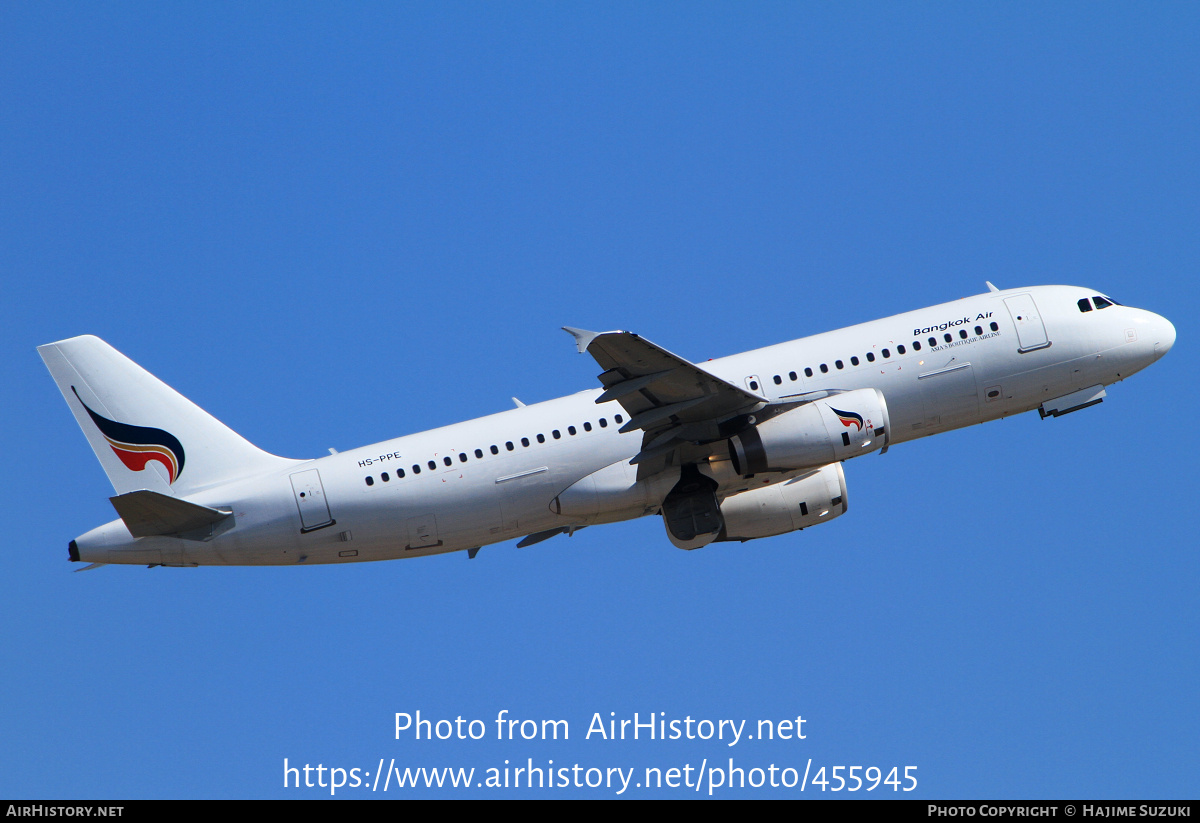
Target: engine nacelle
{"points": [[815, 498], [815, 434]]}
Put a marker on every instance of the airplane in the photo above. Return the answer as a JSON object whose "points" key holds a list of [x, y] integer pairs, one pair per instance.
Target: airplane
{"points": [[734, 449]]}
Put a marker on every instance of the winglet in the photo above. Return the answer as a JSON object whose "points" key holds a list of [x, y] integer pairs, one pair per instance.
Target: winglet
{"points": [[990, 286], [582, 337]]}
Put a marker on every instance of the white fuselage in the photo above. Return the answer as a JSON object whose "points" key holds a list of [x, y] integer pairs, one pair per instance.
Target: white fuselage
{"points": [[495, 478]]}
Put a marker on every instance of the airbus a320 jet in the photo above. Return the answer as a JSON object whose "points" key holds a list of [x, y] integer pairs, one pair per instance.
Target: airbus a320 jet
{"points": [[739, 448]]}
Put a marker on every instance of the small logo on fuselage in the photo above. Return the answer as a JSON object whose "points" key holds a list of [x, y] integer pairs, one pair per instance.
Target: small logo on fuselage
{"points": [[136, 446], [848, 418]]}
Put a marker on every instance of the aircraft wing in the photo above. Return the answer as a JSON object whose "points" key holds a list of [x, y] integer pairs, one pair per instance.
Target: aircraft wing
{"points": [[673, 401]]}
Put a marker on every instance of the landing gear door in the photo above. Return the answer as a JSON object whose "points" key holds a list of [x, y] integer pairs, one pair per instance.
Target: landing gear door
{"points": [[1031, 331], [310, 499]]}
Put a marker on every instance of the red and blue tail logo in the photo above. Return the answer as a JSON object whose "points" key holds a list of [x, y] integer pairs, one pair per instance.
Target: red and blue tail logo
{"points": [[848, 418], [136, 446]]}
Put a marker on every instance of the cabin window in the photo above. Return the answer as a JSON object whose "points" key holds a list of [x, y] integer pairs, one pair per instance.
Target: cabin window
{"points": [[603, 423], [933, 342], [587, 427], [899, 350], [854, 360], [399, 472], [994, 327], [916, 345], [979, 331], [495, 450], [416, 468], [792, 376], [886, 354], [870, 357], [462, 457], [618, 418], [556, 434], [962, 333], [432, 465], [525, 442], [571, 430], [778, 380], [370, 481], [947, 337], [541, 438], [808, 372], [447, 460], [384, 477], [824, 369], [508, 444]]}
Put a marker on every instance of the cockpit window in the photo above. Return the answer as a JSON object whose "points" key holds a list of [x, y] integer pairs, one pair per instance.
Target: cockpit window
{"points": [[1085, 304], [1101, 303]]}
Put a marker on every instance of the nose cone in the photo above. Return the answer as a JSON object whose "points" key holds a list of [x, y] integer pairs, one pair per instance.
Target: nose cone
{"points": [[1164, 335]]}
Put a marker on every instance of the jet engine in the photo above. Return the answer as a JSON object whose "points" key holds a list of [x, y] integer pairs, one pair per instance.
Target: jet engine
{"points": [[815, 434], [695, 518], [816, 497]]}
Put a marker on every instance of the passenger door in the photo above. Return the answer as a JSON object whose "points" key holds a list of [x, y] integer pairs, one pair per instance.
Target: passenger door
{"points": [[1031, 331]]}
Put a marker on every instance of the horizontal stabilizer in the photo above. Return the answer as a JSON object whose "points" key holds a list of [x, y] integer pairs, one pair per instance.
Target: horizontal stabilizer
{"points": [[147, 514]]}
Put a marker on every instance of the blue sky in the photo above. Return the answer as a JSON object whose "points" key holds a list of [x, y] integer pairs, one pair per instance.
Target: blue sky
{"points": [[332, 225]]}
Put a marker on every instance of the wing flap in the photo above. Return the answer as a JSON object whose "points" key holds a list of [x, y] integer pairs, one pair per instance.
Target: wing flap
{"points": [[618, 390]]}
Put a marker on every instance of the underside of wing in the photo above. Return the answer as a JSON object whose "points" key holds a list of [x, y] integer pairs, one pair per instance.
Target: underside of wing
{"points": [[680, 407]]}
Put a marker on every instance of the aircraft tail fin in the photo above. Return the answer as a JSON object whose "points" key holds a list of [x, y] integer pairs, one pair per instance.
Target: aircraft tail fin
{"points": [[145, 434]]}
